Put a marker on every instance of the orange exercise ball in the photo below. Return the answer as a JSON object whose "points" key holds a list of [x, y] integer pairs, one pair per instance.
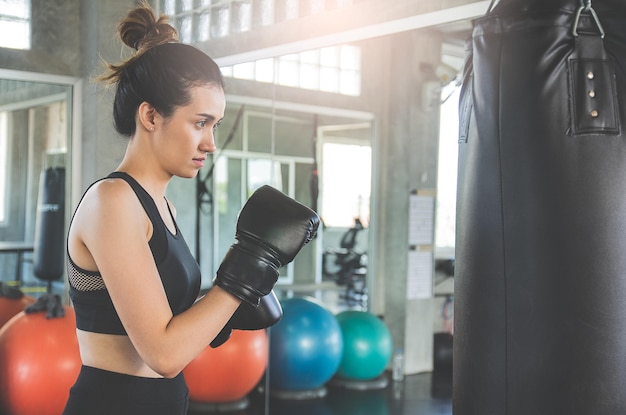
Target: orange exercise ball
{"points": [[229, 372], [39, 363], [9, 307]]}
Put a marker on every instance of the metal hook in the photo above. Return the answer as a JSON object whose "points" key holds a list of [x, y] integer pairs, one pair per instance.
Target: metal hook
{"points": [[585, 6], [492, 5]]}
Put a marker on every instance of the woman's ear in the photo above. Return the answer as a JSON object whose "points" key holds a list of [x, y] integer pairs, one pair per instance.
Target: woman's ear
{"points": [[146, 115]]}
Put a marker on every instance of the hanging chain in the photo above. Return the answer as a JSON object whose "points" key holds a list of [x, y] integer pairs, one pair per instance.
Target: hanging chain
{"points": [[585, 7]]}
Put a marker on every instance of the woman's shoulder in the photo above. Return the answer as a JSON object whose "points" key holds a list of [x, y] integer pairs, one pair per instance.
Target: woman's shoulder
{"points": [[110, 195], [110, 188]]}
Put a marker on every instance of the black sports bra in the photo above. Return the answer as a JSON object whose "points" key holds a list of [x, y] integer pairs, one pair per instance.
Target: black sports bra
{"points": [[178, 269]]}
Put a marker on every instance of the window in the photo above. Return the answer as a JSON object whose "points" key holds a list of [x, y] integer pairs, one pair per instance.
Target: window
{"points": [[200, 20], [335, 69], [447, 172], [15, 24], [3, 164], [346, 183]]}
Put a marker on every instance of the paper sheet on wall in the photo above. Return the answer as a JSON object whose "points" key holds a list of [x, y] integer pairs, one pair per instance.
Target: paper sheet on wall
{"points": [[421, 219], [420, 275]]}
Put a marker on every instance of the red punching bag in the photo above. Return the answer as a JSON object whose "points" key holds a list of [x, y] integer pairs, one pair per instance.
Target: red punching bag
{"points": [[540, 310]]}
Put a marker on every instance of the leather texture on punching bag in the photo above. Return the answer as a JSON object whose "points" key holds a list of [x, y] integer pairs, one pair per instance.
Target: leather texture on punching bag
{"points": [[540, 304], [49, 246]]}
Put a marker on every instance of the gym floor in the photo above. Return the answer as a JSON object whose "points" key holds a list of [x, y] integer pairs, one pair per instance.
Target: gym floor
{"points": [[420, 394]]}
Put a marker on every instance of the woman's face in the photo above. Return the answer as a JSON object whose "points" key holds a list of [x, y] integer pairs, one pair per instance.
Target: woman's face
{"points": [[183, 140]]}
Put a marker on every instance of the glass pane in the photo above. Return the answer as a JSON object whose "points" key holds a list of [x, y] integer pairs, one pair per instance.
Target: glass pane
{"points": [[350, 57], [445, 224], [184, 29], [185, 5], [227, 70], [244, 70], [346, 183], [168, 7], [203, 27], [14, 35], [292, 9], [309, 76], [261, 128], [305, 262], [264, 171], [329, 80], [56, 142], [317, 6], [295, 57], [226, 128], [242, 16], [288, 73], [336, 4], [350, 83], [263, 13], [294, 138], [15, 8], [264, 71], [228, 191], [328, 57], [220, 21], [310, 56]]}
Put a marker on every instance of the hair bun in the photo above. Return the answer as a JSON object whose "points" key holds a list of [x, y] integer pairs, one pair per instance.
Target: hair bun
{"points": [[141, 30]]}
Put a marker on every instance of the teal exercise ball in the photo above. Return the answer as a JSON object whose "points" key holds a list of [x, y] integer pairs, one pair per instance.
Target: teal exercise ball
{"points": [[367, 345], [305, 346]]}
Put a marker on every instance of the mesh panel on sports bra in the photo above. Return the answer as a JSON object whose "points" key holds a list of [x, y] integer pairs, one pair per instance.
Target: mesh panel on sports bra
{"points": [[83, 280]]}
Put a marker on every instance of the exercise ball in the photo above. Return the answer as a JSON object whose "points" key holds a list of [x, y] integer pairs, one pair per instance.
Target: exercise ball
{"points": [[229, 372], [305, 346], [9, 307], [39, 363], [367, 345]]}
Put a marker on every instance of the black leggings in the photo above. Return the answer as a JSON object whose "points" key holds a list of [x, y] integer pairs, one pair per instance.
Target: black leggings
{"points": [[100, 392]]}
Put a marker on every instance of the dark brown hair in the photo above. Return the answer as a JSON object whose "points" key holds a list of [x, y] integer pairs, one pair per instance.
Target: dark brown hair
{"points": [[161, 72]]}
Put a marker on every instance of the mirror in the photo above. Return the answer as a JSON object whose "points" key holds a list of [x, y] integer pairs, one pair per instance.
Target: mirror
{"points": [[36, 126]]}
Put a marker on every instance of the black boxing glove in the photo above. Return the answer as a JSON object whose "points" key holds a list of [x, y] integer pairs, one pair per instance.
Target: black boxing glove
{"points": [[271, 230], [246, 317]]}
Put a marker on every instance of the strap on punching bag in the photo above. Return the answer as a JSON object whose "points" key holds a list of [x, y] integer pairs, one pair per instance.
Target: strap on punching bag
{"points": [[541, 212], [592, 89]]}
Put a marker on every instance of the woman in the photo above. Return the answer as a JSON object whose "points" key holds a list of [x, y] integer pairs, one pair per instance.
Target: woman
{"points": [[133, 281]]}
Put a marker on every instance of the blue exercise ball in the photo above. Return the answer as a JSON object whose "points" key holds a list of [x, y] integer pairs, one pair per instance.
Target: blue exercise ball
{"points": [[305, 346], [367, 345]]}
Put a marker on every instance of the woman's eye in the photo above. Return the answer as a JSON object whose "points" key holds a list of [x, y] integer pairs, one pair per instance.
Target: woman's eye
{"points": [[201, 124]]}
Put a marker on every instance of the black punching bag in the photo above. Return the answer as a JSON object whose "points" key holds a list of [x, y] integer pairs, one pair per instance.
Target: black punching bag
{"points": [[49, 246], [540, 284]]}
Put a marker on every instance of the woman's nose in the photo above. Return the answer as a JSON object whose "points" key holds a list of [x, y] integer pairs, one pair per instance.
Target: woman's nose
{"points": [[208, 143]]}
